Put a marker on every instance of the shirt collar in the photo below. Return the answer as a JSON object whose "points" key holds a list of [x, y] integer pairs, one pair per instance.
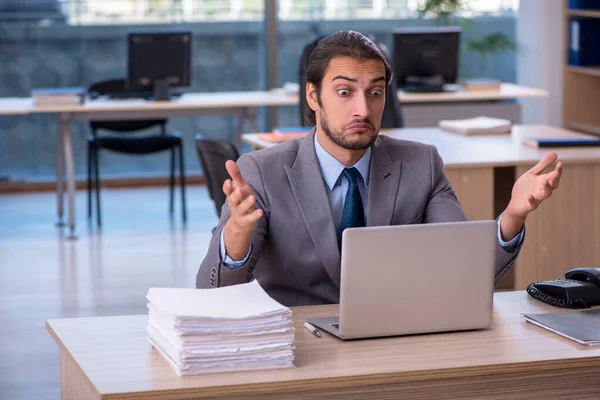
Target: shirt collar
{"points": [[331, 168]]}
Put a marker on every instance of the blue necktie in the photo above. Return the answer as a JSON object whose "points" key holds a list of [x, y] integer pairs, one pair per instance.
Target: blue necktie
{"points": [[353, 214]]}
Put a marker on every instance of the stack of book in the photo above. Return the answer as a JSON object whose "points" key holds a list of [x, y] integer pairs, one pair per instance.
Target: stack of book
{"points": [[481, 85], [57, 96], [232, 328]]}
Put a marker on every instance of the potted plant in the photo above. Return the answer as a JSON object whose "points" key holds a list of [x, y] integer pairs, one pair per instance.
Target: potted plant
{"points": [[483, 46]]}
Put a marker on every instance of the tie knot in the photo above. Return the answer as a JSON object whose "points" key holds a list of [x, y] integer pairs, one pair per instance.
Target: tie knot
{"points": [[351, 174]]}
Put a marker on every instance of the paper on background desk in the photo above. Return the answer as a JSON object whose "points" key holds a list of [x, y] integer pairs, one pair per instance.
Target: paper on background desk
{"points": [[232, 328], [476, 126]]}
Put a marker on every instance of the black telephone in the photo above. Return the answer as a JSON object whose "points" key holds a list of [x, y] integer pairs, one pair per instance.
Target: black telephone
{"points": [[579, 289]]}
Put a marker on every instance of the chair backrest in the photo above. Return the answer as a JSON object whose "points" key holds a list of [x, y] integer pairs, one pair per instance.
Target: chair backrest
{"points": [[392, 112], [303, 63], [213, 154], [118, 86]]}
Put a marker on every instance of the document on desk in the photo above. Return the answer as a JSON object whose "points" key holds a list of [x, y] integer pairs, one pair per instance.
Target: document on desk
{"points": [[580, 326], [232, 328], [476, 126]]}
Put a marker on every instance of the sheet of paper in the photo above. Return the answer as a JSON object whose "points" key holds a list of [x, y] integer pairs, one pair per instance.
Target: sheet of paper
{"points": [[224, 303]]}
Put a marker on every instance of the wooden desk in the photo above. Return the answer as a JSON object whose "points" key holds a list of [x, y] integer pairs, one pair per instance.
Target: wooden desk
{"points": [[110, 358], [561, 234]]}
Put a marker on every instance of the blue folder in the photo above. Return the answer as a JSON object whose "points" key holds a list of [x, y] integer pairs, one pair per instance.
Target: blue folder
{"points": [[565, 142]]}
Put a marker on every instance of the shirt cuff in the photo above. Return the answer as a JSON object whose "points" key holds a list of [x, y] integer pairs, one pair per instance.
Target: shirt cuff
{"points": [[227, 261], [512, 244]]}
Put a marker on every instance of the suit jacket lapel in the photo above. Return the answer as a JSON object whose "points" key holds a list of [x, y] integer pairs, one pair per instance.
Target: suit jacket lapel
{"points": [[309, 190], [384, 180]]}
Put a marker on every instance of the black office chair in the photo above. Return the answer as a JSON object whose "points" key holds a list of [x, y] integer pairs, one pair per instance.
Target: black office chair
{"points": [[392, 112], [303, 55], [213, 154], [119, 142]]}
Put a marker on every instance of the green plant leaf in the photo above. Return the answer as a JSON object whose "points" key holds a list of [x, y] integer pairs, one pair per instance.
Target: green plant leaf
{"points": [[442, 10], [490, 44]]}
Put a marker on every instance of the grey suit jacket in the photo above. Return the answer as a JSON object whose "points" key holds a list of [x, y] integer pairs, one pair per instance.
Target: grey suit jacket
{"points": [[295, 254]]}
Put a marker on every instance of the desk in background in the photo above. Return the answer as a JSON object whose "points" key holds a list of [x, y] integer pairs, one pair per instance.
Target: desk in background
{"points": [[420, 109], [427, 109], [240, 104], [110, 357], [561, 234]]}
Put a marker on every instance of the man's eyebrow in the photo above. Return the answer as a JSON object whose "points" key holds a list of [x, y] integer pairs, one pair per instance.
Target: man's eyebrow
{"points": [[347, 78]]}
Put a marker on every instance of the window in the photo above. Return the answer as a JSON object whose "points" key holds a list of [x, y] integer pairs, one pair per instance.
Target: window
{"points": [[58, 43], [301, 20], [95, 12], [53, 43]]}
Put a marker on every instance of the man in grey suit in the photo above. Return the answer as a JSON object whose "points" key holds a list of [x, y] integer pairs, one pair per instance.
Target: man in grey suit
{"points": [[287, 205]]}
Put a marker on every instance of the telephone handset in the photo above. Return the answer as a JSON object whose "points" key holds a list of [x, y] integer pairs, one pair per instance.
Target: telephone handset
{"points": [[579, 289]]}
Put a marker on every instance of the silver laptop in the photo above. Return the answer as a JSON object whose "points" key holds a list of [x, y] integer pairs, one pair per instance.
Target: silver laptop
{"points": [[411, 279]]}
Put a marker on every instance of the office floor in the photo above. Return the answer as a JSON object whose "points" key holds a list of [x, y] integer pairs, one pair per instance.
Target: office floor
{"points": [[104, 272]]}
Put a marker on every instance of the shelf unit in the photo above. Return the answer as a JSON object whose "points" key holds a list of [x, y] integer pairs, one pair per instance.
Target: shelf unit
{"points": [[581, 85], [584, 13], [593, 71]]}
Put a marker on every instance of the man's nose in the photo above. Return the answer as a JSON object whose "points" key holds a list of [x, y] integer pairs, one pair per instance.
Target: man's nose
{"points": [[360, 107]]}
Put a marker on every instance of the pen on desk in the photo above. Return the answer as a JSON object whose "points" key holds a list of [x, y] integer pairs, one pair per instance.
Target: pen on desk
{"points": [[312, 329]]}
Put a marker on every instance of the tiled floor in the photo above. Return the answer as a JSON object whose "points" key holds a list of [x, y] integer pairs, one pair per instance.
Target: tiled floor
{"points": [[104, 272]]}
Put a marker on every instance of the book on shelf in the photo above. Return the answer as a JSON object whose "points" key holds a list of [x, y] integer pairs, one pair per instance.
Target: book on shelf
{"points": [[583, 48], [584, 5]]}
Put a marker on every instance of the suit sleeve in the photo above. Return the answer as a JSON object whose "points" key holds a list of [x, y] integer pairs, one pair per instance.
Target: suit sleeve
{"points": [[213, 272], [443, 206]]}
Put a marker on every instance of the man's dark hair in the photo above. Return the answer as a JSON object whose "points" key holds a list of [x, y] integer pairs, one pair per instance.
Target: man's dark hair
{"points": [[344, 43]]}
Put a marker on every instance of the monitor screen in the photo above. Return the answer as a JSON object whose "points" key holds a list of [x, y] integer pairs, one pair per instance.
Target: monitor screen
{"points": [[156, 56], [426, 53]]}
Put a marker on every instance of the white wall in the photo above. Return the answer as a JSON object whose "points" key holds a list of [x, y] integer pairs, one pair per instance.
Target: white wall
{"points": [[540, 59]]}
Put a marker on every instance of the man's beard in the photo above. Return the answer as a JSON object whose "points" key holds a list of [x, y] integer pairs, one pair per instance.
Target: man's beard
{"points": [[338, 138]]}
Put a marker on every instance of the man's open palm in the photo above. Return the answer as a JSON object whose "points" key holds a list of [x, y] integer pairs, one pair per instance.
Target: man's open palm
{"points": [[533, 186]]}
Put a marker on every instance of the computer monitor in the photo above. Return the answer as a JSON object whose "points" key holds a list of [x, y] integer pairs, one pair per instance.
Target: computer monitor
{"points": [[158, 61], [426, 58]]}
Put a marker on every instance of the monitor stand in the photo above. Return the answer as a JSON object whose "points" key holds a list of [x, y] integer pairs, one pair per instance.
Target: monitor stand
{"points": [[162, 90], [419, 84], [423, 88]]}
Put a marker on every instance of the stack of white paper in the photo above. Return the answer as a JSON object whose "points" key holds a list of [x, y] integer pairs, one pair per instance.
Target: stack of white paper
{"points": [[476, 126], [231, 328]]}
